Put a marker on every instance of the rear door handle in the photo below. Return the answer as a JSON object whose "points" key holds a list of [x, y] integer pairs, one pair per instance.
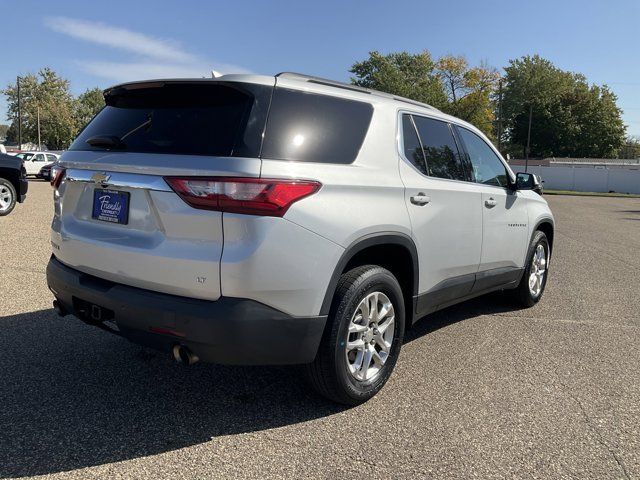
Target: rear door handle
{"points": [[490, 203], [420, 199]]}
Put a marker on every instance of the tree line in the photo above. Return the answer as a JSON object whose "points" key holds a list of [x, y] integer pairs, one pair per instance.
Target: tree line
{"points": [[569, 117], [47, 97]]}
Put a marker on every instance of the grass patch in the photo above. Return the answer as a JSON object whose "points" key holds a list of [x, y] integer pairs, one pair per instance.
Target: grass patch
{"points": [[590, 194]]}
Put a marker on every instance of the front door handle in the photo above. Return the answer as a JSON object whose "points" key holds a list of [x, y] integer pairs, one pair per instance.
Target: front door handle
{"points": [[420, 199], [490, 203]]}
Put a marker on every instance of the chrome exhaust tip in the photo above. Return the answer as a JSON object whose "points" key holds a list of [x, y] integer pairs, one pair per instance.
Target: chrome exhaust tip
{"points": [[183, 355], [59, 309]]}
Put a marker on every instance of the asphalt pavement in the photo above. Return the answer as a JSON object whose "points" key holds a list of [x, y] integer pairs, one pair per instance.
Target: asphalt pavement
{"points": [[480, 391]]}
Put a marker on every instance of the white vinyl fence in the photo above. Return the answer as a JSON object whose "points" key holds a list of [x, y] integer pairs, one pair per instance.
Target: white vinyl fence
{"points": [[588, 178]]}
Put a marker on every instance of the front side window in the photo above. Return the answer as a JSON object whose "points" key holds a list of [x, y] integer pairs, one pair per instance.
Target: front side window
{"points": [[440, 149], [51, 158], [487, 167], [39, 157], [412, 148], [307, 127]]}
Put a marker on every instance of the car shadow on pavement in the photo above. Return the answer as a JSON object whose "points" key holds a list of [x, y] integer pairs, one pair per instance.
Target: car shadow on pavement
{"points": [[73, 396], [485, 305]]}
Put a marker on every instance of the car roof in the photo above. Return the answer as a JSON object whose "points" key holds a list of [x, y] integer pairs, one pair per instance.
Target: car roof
{"points": [[302, 81]]}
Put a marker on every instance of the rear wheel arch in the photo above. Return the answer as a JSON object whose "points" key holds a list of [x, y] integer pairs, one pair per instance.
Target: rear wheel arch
{"points": [[394, 251]]}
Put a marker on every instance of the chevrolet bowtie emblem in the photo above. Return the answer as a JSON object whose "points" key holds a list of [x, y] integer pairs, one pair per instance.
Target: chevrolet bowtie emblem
{"points": [[100, 177]]}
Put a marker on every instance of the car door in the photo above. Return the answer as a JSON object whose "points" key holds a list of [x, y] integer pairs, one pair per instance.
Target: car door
{"points": [[504, 214], [444, 207], [35, 163]]}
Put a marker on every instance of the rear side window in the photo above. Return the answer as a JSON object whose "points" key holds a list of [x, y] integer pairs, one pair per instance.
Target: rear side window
{"points": [[412, 148], [440, 149], [307, 127], [214, 119]]}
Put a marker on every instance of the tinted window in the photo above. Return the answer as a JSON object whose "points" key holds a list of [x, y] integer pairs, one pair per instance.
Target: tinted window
{"points": [[306, 127], [205, 118], [487, 167], [412, 148], [51, 158], [440, 149]]}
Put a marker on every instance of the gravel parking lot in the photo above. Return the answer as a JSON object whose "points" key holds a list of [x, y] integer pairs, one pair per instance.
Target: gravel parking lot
{"points": [[480, 391]]}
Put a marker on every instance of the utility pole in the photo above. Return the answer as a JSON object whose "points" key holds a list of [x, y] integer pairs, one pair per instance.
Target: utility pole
{"points": [[526, 158], [39, 143], [19, 117], [500, 115]]}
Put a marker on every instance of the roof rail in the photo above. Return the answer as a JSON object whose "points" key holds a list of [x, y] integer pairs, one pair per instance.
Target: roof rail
{"points": [[346, 86]]}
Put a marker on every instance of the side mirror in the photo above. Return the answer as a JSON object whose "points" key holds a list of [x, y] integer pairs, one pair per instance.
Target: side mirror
{"points": [[528, 181]]}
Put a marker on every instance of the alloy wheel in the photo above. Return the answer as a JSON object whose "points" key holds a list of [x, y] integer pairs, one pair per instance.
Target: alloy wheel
{"points": [[538, 270], [6, 198], [370, 336]]}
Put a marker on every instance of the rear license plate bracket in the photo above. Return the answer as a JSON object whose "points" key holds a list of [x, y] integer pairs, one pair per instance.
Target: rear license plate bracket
{"points": [[111, 206]]}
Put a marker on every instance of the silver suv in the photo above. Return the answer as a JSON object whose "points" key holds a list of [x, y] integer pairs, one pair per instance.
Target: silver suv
{"points": [[286, 220]]}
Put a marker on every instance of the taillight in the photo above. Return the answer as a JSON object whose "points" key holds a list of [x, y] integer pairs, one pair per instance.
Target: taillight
{"points": [[57, 174], [252, 196]]}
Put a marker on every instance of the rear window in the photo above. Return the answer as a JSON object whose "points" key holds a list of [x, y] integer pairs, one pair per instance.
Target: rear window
{"points": [[181, 118], [308, 127]]}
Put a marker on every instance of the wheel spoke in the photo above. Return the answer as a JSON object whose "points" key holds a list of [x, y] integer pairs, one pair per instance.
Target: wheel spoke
{"points": [[379, 358], [357, 328], [383, 327], [373, 307], [355, 345], [387, 308], [384, 346], [355, 367], [364, 310], [366, 362]]}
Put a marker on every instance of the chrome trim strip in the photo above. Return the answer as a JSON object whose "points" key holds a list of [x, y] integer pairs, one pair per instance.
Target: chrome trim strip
{"points": [[116, 179]]}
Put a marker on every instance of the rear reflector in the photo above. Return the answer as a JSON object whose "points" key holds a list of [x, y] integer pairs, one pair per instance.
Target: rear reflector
{"points": [[251, 196]]}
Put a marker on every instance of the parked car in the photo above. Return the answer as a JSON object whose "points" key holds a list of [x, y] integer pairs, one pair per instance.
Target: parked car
{"points": [[45, 171], [317, 224], [34, 161], [13, 183]]}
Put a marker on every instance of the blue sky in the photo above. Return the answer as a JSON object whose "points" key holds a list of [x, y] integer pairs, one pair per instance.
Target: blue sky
{"points": [[101, 43]]}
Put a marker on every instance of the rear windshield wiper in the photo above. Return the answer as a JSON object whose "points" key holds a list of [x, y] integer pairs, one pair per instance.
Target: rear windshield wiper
{"points": [[113, 141], [106, 141]]}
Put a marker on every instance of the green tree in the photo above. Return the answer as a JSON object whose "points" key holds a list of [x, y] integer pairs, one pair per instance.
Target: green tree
{"points": [[449, 83], [3, 132], [408, 75], [87, 105], [45, 95], [569, 117], [630, 148], [469, 91]]}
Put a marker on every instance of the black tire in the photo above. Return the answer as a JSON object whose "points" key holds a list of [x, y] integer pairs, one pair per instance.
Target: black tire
{"points": [[7, 190], [329, 373], [522, 294]]}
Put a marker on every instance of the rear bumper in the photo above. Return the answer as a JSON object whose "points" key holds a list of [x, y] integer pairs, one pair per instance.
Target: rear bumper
{"points": [[228, 331]]}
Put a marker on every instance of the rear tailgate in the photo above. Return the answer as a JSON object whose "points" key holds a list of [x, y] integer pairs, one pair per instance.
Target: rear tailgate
{"points": [[115, 215]]}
